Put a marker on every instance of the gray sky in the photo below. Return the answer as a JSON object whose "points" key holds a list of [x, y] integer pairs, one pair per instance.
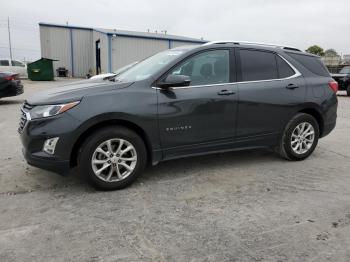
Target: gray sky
{"points": [[298, 23]]}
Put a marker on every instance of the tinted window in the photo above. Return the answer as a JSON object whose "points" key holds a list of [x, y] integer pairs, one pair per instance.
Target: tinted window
{"points": [[284, 70], [206, 68], [258, 65], [345, 70], [313, 64], [4, 62], [16, 63]]}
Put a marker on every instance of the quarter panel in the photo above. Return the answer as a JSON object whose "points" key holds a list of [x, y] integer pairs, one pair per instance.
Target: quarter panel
{"points": [[137, 105]]}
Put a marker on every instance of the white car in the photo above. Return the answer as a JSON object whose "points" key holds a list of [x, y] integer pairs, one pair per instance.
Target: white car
{"points": [[108, 76], [13, 66]]}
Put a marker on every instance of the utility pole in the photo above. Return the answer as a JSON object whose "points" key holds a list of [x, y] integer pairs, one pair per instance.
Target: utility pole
{"points": [[8, 28]]}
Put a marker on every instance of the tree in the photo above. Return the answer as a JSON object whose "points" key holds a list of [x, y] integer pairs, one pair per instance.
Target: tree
{"points": [[316, 50], [330, 52]]}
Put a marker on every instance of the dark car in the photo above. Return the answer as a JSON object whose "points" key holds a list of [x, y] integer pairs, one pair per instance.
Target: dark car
{"points": [[187, 101], [10, 85], [343, 79]]}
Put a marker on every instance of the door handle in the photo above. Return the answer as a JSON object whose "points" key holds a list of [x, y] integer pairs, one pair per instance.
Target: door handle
{"points": [[226, 92], [292, 86]]}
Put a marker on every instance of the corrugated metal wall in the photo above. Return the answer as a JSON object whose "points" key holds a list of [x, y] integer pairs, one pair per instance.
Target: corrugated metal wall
{"points": [[104, 51], [126, 50], [82, 52], [75, 48], [55, 44]]}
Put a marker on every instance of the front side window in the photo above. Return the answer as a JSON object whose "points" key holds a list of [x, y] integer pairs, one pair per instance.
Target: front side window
{"points": [[17, 63], [207, 68], [4, 63], [258, 65]]}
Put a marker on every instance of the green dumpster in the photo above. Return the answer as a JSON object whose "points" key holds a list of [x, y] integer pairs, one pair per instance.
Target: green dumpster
{"points": [[41, 70]]}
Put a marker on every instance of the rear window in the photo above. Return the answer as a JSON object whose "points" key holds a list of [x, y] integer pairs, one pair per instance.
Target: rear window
{"points": [[17, 63], [313, 64], [4, 63]]}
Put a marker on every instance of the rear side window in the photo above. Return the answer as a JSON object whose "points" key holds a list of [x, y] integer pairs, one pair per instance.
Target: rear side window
{"points": [[4, 63], [258, 65], [16, 63], [284, 70], [313, 64]]}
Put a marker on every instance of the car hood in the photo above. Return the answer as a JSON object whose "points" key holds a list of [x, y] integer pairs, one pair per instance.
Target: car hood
{"points": [[73, 92], [101, 76]]}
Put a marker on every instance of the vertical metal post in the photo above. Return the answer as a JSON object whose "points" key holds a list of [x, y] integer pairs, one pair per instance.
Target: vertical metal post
{"points": [[71, 51], [109, 44], [8, 28]]}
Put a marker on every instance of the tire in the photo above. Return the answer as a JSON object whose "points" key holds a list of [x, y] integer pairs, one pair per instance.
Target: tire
{"points": [[348, 90], [291, 135], [96, 155]]}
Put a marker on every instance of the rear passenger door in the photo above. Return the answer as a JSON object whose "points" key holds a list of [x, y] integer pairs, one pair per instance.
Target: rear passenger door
{"points": [[270, 89]]}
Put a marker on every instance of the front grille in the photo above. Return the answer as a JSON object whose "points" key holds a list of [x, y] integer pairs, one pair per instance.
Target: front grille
{"points": [[23, 120], [27, 106]]}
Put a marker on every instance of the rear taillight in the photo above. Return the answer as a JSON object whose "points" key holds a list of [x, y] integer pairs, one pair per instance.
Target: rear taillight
{"points": [[9, 78], [333, 85]]}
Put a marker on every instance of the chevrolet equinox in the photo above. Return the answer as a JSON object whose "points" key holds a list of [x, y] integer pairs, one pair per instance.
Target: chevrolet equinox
{"points": [[186, 101]]}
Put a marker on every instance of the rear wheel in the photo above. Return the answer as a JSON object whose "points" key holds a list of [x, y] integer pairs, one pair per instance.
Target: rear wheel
{"points": [[300, 137], [112, 158]]}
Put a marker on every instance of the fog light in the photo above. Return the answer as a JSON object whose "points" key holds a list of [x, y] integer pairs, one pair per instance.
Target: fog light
{"points": [[50, 145]]}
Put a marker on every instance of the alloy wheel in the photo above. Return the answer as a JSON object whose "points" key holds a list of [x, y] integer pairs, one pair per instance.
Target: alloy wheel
{"points": [[114, 160], [303, 137]]}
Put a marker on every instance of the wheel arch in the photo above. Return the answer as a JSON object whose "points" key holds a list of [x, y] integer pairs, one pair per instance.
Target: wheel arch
{"points": [[105, 123], [313, 111]]}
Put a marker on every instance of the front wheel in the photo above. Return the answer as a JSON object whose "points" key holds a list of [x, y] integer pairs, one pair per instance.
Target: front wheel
{"points": [[112, 158], [300, 137], [348, 90]]}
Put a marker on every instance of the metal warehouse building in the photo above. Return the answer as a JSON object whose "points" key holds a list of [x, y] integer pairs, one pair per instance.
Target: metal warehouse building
{"points": [[84, 50]]}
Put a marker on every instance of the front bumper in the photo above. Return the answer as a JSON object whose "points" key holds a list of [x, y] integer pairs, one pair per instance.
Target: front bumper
{"points": [[42, 160], [34, 133]]}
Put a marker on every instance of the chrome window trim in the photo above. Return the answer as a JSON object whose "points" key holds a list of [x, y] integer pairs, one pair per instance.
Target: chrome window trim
{"points": [[186, 87], [296, 74]]}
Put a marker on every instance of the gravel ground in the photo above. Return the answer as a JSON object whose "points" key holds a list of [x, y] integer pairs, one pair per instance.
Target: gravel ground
{"points": [[240, 206]]}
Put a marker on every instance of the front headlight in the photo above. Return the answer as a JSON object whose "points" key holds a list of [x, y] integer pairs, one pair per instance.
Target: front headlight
{"points": [[50, 110]]}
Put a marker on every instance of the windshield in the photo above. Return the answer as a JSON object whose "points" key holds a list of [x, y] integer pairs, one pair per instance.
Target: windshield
{"points": [[149, 66], [345, 70], [124, 68]]}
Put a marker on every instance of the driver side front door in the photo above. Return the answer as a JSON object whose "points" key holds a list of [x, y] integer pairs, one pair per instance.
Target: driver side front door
{"points": [[200, 117]]}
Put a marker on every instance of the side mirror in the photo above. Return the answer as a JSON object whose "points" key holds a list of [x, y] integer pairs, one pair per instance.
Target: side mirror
{"points": [[175, 80]]}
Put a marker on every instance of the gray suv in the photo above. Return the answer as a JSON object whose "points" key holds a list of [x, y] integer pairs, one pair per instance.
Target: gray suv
{"points": [[187, 101]]}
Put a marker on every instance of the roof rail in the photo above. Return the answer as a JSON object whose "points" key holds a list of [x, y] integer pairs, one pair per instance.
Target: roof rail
{"points": [[251, 43]]}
